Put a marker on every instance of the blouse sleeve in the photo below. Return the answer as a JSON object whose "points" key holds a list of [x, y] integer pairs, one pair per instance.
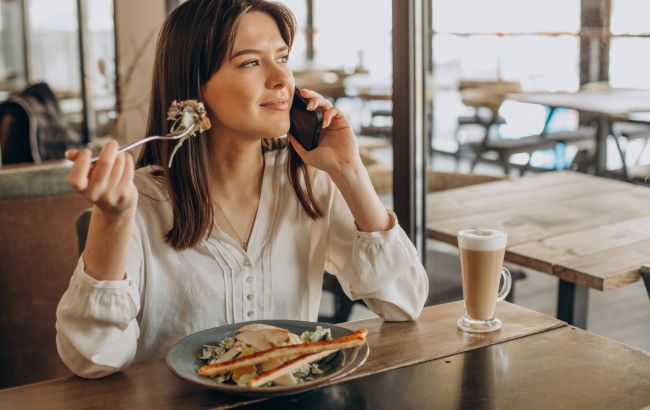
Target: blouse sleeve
{"points": [[382, 268], [96, 326]]}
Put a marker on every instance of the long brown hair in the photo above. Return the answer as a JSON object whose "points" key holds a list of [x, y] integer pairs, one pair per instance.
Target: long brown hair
{"points": [[192, 45]]}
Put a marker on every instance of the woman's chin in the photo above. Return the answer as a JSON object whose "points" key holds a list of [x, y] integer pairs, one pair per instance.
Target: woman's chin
{"points": [[278, 131]]}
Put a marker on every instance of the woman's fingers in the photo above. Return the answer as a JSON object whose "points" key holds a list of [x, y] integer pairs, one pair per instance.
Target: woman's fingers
{"points": [[329, 115], [127, 176], [101, 172], [72, 154], [78, 176], [107, 183], [315, 100], [115, 176]]}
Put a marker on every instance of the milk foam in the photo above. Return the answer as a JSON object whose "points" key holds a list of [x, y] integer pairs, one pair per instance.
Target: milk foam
{"points": [[479, 239]]}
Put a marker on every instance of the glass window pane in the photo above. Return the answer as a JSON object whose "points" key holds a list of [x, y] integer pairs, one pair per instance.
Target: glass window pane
{"points": [[101, 46], [630, 17], [506, 16], [100, 62], [626, 68], [13, 74], [340, 42], [54, 47], [539, 62]]}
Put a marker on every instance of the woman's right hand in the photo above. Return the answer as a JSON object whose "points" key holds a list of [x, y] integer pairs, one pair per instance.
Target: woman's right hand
{"points": [[108, 183]]}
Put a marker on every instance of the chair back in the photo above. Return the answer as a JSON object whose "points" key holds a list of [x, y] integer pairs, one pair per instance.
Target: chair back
{"points": [[489, 94], [83, 222], [39, 252], [33, 128]]}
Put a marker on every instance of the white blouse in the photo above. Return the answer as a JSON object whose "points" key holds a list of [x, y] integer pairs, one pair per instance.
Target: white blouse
{"points": [[102, 326]]}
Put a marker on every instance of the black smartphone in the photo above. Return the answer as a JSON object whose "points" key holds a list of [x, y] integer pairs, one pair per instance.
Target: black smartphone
{"points": [[305, 125]]}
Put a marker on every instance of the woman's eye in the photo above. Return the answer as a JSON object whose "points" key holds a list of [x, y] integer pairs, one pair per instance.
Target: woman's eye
{"points": [[284, 58], [253, 63]]}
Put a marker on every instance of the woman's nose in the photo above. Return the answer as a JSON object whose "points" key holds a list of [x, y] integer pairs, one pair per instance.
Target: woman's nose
{"points": [[278, 77]]}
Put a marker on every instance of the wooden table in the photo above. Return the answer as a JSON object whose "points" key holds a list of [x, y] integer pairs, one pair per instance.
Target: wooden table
{"points": [[534, 361], [589, 231], [608, 104]]}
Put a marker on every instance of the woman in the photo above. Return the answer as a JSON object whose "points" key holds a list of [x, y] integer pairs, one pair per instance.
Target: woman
{"points": [[239, 227]]}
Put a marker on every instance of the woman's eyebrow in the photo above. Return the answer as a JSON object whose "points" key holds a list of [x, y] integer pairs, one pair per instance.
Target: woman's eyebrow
{"points": [[253, 51]]}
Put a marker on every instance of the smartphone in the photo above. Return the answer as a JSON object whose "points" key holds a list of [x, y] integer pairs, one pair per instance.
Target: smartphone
{"points": [[305, 125]]}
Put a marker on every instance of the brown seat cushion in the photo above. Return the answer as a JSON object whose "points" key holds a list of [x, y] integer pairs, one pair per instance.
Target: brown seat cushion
{"points": [[38, 254]]}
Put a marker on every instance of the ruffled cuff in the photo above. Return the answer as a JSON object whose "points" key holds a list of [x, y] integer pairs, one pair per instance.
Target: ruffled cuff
{"points": [[380, 258], [113, 302], [96, 328], [378, 237]]}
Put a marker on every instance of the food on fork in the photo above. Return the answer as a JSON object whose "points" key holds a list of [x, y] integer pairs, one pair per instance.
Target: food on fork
{"points": [[261, 355], [187, 114]]}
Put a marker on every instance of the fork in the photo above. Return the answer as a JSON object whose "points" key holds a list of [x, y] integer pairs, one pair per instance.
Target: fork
{"points": [[169, 137]]}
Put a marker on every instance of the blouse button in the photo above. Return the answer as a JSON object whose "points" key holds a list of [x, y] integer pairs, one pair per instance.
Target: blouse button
{"points": [[249, 279], [249, 314], [247, 263], [250, 297]]}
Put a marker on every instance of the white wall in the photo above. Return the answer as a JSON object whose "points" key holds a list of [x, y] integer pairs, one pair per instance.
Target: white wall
{"points": [[137, 24]]}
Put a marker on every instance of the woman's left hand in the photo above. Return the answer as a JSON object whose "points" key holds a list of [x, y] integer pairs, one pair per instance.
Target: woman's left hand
{"points": [[337, 146]]}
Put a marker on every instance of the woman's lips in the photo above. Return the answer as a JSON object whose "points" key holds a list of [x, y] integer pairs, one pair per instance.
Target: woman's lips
{"points": [[280, 104]]}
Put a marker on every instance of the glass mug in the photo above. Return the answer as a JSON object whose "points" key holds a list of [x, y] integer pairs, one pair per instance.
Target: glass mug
{"points": [[481, 263]]}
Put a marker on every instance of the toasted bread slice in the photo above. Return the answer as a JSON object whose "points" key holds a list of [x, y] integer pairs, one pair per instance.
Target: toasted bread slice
{"points": [[287, 368], [355, 338]]}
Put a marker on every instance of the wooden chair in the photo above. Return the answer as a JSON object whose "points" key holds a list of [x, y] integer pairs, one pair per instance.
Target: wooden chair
{"points": [[640, 174], [488, 96], [32, 128], [484, 98], [38, 254]]}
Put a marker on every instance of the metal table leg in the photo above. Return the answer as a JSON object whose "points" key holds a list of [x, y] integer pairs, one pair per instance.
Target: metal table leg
{"points": [[572, 303], [600, 157], [645, 275]]}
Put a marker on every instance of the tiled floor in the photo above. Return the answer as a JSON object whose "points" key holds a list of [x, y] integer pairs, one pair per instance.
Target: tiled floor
{"points": [[622, 315]]}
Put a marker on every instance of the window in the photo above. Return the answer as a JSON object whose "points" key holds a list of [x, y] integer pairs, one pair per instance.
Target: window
{"points": [[534, 44], [52, 55], [54, 46], [630, 39], [12, 62]]}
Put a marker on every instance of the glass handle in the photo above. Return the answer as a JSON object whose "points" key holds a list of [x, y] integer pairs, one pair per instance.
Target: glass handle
{"points": [[507, 284]]}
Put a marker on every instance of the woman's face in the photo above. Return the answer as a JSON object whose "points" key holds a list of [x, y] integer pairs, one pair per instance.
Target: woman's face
{"points": [[252, 91]]}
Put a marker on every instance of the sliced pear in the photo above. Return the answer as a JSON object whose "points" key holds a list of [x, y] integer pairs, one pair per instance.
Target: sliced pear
{"points": [[254, 327], [254, 339], [286, 380], [277, 337]]}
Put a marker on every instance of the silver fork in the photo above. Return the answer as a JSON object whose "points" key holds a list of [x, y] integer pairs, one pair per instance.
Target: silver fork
{"points": [[171, 136]]}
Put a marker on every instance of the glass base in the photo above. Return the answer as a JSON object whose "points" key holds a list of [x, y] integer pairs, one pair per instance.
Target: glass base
{"points": [[467, 324]]}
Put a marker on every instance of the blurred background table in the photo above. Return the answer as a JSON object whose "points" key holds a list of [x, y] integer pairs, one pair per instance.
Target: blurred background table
{"points": [[606, 104], [590, 232]]}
